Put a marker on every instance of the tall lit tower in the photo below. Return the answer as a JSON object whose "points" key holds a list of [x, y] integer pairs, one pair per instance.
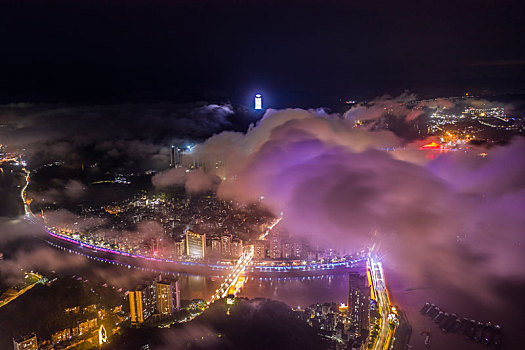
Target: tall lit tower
{"points": [[359, 303], [175, 157], [168, 296], [195, 244], [275, 246], [172, 156], [258, 102], [177, 296], [142, 302], [178, 158], [226, 245]]}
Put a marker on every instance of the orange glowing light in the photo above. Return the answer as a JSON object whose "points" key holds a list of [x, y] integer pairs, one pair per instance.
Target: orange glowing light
{"points": [[432, 146]]}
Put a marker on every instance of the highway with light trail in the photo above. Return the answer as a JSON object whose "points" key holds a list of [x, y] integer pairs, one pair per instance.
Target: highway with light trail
{"points": [[385, 338], [231, 280]]}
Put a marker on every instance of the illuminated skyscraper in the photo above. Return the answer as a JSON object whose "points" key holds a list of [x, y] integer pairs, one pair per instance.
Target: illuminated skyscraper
{"points": [[260, 250], [226, 245], [359, 304], [164, 297], [195, 244], [172, 156], [287, 252], [175, 157], [177, 296], [297, 250], [178, 158], [216, 246], [180, 248], [166, 292], [236, 248], [258, 102], [142, 303], [275, 246], [26, 342]]}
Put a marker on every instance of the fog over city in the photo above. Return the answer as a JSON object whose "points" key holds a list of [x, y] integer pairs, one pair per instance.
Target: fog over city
{"points": [[337, 187], [336, 184], [284, 174], [451, 220]]}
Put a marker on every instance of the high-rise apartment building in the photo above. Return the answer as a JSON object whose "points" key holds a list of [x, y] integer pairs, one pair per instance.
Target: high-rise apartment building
{"points": [[236, 248], [359, 304], [287, 250], [195, 245], [168, 296], [180, 248], [177, 295], [226, 241], [142, 303], [275, 247], [260, 250], [297, 250], [216, 246], [175, 157]]}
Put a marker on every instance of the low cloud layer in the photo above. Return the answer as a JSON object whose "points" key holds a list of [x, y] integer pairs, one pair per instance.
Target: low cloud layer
{"points": [[194, 181], [456, 218]]}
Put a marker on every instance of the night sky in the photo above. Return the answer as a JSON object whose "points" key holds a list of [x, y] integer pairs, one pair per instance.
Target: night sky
{"points": [[303, 53]]}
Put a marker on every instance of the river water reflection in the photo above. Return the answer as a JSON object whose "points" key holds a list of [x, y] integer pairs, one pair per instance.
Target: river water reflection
{"points": [[302, 291]]}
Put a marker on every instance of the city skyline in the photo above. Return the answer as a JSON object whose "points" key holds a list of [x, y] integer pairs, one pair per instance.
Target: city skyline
{"points": [[262, 175], [214, 214]]}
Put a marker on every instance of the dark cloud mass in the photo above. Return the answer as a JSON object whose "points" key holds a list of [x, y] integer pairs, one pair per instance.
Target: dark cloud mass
{"points": [[126, 136]]}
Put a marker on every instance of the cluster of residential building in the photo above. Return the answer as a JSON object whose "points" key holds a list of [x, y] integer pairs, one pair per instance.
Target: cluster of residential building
{"points": [[225, 226], [347, 325], [155, 300], [199, 246], [9, 157], [489, 124]]}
